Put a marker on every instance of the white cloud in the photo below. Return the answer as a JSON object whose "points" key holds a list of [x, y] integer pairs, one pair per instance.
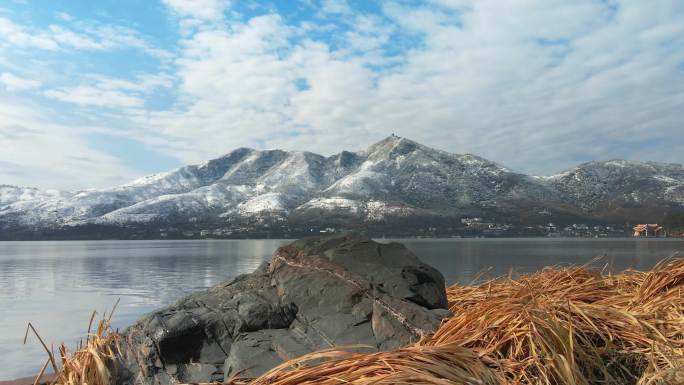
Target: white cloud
{"points": [[115, 36], [64, 16], [66, 37], [336, 7], [145, 83], [37, 151], [15, 83], [515, 82], [81, 35], [14, 34], [93, 96], [198, 9], [367, 38], [251, 87], [111, 92]]}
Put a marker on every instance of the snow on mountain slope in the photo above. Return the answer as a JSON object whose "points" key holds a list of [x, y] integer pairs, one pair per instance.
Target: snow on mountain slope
{"points": [[206, 200], [371, 211], [266, 204], [395, 177], [403, 170], [336, 204], [12, 194], [594, 185]]}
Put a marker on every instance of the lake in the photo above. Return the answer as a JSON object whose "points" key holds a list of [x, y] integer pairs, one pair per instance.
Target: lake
{"points": [[57, 285]]}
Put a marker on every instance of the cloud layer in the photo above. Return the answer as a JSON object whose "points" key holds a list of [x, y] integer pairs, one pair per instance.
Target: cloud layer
{"points": [[538, 85]]}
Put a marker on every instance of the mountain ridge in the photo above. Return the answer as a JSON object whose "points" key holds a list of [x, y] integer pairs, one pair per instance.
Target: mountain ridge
{"points": [[392, 181]]}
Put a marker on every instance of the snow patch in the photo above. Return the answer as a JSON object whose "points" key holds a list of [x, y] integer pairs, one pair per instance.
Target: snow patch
{"points": [[334, 203], [263, 204]]}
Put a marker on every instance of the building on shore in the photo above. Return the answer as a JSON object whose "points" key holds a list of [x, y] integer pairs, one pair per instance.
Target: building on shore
{"points": [[647, 230]]}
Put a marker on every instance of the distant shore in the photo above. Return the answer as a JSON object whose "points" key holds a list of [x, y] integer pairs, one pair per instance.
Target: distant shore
{"points": [[289, 237], [29, 380]]}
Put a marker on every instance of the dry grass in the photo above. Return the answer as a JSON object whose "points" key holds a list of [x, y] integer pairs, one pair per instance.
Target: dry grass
{"points": [[447, 364], [559, 326], [93, 359], [572, 326]]}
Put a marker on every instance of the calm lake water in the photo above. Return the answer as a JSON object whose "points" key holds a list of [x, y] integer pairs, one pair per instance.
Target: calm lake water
{"points": [[56, 285]]}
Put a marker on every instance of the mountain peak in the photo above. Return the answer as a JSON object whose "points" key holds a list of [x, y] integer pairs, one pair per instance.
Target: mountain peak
{"points": [[396, 140], [390, 143]]}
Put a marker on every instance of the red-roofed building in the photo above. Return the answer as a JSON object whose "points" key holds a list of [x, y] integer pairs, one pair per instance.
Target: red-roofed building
{"points": [[647, 230]]}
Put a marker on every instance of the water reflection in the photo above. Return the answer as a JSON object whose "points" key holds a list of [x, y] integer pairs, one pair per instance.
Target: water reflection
{"points": [[56, 285], [462, 260]]}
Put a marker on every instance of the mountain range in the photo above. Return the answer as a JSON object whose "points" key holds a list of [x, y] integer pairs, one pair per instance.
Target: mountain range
{"points": [[393, 183]]}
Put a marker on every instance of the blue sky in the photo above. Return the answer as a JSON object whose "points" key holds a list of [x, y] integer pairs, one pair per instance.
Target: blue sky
{"points": [[96, 93]]}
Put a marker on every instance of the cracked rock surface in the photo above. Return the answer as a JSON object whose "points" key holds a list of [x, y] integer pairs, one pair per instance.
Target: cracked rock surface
{"points": [[316, 293]]}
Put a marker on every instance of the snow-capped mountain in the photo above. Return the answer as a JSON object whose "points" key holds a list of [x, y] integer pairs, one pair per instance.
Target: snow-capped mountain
{"points": [[394, 179], [618, 189]]}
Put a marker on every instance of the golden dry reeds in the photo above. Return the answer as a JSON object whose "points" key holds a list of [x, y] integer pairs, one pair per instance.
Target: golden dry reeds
{"points": [[447, 364], [573, 325], [93, 359], [558, 326]]}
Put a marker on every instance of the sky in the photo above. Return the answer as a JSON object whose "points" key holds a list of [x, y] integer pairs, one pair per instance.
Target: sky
{"points": [[97, 93]]}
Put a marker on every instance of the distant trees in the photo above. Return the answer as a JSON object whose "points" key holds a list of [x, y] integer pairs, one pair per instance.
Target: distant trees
{"points": [[674, 222]]}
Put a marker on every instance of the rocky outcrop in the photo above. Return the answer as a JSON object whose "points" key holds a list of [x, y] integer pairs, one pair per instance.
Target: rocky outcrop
{"points": [[315, 294]]}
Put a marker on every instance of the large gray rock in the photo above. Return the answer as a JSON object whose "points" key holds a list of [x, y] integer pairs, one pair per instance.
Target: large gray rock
{"points": [[315, 294]]}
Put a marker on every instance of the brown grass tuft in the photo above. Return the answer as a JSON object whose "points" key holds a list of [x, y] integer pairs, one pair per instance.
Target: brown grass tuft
{"points": [[93, 360], [573, 326], [447, 364]]}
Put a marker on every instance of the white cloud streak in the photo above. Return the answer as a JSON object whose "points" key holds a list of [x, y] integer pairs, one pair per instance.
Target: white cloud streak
{"points": [[13, 34], [93, 96], [336, 7], [111, 92], [198, 9], [81, 36], [15, 83], [40, 152]]}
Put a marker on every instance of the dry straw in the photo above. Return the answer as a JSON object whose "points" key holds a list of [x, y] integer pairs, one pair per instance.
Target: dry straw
{"points": [[570, 326], [92, 361], [447, 364]]}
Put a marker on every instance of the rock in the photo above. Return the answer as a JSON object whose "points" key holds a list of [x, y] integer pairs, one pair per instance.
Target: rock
{"points": [[316, 293], [256, 353], [194, 372]]}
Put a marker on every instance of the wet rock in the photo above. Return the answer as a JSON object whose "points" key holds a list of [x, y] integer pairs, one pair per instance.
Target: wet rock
{"points": [[315, 294]]}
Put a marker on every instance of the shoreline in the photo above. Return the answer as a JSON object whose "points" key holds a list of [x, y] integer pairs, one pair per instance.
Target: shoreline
{"points": [[390, 238], [47, 377]]}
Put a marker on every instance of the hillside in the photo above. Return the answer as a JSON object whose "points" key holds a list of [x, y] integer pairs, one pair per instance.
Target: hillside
{"points": [[393, 183]]}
